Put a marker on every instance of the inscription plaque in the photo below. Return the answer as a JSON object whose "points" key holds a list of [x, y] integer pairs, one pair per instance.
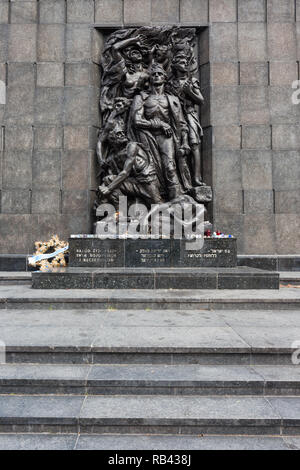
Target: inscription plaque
{"points": [[109, 253]]}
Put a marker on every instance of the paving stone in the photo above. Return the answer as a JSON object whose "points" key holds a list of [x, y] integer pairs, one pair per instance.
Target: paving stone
{"points": [[256, 169], [192, 11], [258, 318], [108, 11], [46, 169], [137, 11], [285, 170], [222, 11], [22, 43], [52, 11], [252, 73], [37, 441], [282, 109], [224, 42], [292, 442], [224, 106], [228, 169], [283, 73], [183, 409], [18, 138], [258, 201], [20, 75], [51, 408], [4, 10], [48, 138], [169, 337], [23, 12], [227, 137], [252, 42], [177, 374], [254, 11], [224, 73], [77, 109], [166, 13], [281, 41], [3, 42], [64, 339], [75, 202], [129, 442], [228, 201], [285, 137], [256, 137], [50, 45], [15, 201], [287, 407], [76, 137], [286, 239], [75, 169], [50, 74], [80, 11], [17, 170], [45, 372], [45, 201], [268, 337], [49, 105], [19, 109], [254, 105], [281, 11], [77, 74], [259, 233], [287, 202], [278, 373]]}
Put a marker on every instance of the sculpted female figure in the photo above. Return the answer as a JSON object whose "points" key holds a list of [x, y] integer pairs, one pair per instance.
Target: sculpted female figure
{"points": [[127, 74]]}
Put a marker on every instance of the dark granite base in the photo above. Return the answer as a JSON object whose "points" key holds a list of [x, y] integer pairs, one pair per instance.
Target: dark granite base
{"points": [[158, 278], [271, 262], [93, 251], [13, 262]]}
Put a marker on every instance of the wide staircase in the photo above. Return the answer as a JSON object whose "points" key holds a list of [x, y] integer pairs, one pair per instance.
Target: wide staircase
{"points": [[142, 369]]}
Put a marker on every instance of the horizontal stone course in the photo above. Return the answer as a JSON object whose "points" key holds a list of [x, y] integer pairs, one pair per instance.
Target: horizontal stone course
{"points": [[157, 278]]}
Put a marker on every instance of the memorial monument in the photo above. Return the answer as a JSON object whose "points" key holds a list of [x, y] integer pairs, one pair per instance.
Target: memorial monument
{"points": [[151, 206]]}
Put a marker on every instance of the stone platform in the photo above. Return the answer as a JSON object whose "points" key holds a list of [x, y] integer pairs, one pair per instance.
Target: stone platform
{"points": [[94, 251], [156, 278]]}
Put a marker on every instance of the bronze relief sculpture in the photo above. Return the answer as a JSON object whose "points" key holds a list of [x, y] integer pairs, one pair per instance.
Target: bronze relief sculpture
{"points": [[149, 146]]}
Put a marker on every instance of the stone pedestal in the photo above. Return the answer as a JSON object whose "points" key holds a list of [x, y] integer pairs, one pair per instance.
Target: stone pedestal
{"points": [[241, 277], [92, 251]]}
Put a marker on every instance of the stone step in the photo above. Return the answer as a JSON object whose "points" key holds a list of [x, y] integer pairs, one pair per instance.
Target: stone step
{"points": [[232, 337], [119, 442], [129, 379], [241, 277], [136, 414], [23, 297], [290, 279], [15, 278]]}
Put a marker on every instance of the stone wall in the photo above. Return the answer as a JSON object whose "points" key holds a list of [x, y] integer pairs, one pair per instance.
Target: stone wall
{"points": [[49, 51]]}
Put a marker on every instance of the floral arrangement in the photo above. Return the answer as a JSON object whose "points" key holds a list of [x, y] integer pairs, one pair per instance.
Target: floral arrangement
{"points": [[46, 248]]}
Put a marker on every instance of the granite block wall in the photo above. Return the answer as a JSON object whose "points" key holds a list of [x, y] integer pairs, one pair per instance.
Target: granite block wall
{"points": [[249, 57]]}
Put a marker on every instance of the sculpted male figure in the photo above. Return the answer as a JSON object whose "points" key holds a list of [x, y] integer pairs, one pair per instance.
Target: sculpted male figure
{"points": [[157, 121], [188, 90], [131, 171]]}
